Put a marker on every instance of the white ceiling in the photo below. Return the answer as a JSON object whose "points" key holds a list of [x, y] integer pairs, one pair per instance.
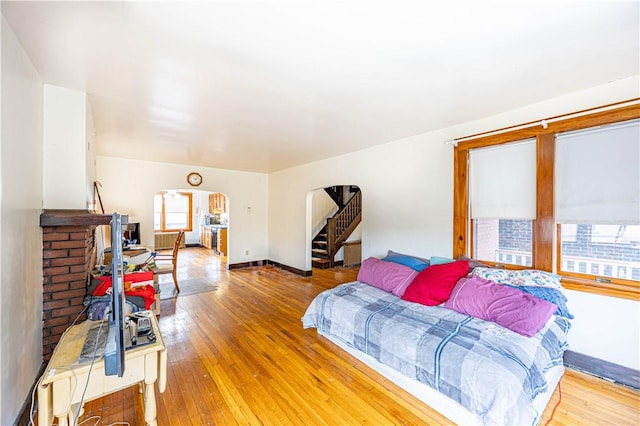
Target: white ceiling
{"points": [[266, 85]]}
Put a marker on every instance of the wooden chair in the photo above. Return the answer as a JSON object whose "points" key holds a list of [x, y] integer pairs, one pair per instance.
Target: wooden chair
{"points": [[164, 267]]}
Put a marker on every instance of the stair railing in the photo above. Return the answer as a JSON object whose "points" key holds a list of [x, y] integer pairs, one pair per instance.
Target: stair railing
{"points": [[343, 223]]}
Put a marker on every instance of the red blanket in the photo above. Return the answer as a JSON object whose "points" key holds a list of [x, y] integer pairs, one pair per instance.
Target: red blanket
{"points": [[147, 292]]}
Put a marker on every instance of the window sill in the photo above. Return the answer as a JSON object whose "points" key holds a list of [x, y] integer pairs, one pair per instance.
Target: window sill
{"points": [[623, 291]]}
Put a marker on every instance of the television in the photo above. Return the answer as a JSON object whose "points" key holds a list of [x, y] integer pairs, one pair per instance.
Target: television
{"points": [[115, 345]]}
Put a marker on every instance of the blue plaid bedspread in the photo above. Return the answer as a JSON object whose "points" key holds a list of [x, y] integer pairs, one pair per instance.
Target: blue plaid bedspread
{"points": [[490, 370]]}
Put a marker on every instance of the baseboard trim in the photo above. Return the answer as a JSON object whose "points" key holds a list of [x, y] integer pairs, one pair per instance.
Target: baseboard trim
{"points": [[251, 264], [289, 268], [604, 369], [296, 271]]}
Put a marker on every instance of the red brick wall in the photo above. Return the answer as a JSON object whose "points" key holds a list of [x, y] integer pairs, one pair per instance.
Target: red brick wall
{"points": [[68, 256]]}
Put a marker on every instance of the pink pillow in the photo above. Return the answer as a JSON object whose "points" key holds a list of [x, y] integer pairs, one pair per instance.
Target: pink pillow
{"points": [[509, 307], [387, 276], [433, 285]]}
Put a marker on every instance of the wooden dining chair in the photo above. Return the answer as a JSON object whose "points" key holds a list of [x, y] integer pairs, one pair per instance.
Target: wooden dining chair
{"points": [[168, 263]]}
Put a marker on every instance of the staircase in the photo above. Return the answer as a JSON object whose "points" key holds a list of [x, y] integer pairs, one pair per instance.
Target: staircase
{"points": [[329, 240]]}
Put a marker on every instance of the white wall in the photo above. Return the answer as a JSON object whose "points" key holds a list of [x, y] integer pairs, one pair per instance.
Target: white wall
{"points": [[66, 157], [128, 187], [605, 325], [20, 234], [407, 188], [406, 204], [90, 159], [322, 207]]}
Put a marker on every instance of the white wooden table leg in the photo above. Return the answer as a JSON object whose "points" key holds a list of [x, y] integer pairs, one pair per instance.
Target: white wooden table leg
{"points": [[150, 404], [45, 405], [63, 420], [62, 401]]}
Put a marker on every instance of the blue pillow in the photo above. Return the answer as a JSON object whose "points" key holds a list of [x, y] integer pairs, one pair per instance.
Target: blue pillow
{"points": [[437, 260], [412, 262]]}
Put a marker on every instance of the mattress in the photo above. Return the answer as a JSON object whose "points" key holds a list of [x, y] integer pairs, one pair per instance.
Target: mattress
{"points": [[498, 376]]}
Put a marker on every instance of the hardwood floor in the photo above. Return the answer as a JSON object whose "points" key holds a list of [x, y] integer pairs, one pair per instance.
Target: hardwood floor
{"points": [[239, 355]]}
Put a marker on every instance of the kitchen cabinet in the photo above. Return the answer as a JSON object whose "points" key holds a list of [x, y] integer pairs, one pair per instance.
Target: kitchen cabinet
{"points": [[214, 237], [205, 236], [217, 203], [222, 241]]}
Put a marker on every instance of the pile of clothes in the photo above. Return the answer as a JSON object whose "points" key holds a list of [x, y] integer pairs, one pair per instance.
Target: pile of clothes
{"points": [[139, 290]]}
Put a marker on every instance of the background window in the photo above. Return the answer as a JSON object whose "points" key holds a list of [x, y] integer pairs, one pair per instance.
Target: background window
{"points": [[172, 211], [610, 251], [503, 241]]}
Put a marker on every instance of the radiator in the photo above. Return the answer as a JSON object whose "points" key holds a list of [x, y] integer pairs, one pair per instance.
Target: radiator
{"points": [[166, 240]]}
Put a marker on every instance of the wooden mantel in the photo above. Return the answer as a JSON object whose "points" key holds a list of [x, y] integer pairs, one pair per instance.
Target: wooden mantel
{"points": [[75, 218]]}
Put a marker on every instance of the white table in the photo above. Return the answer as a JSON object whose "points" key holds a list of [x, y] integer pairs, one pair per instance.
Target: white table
{"points": [[63, 382]]}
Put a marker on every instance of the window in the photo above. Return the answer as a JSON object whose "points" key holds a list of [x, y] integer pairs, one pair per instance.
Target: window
{"points": [[598, 202], [503, 241], [601, 252], [172, 211], [595, 248], [503, 203]]}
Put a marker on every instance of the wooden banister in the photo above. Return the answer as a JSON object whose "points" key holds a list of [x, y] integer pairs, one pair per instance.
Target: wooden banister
{"points": [[342, 224]]}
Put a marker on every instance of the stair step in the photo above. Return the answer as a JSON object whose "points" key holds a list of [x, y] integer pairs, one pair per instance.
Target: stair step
{"points": [[320, 253], [321, 263]]}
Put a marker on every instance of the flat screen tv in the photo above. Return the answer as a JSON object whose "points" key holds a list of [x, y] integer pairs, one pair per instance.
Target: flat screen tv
{"points": [[115, 346]]}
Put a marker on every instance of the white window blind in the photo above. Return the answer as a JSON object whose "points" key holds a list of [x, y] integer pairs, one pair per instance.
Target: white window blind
{"points": [[502, 181], [597, 175]]}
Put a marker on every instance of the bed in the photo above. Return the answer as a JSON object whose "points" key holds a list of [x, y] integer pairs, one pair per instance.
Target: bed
{"points": [[471, 370]]}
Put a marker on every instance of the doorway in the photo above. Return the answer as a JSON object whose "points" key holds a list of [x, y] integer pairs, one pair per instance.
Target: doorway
{"points": [[203, 215], [334, 226]]}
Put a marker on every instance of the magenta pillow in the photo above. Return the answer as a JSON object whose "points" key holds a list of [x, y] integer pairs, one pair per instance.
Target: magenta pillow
{"points": [[509, 307], [433, 285], [387, 276]]}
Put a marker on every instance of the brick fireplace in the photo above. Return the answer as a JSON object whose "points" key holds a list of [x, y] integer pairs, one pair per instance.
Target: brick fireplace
{"points": [[68, 256]]}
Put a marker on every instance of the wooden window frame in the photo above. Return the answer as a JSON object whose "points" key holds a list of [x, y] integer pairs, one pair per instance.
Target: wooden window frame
{"points": [[545, 229], [189, 228]]}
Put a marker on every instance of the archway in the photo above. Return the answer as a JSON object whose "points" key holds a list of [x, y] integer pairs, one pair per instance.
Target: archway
{"points": [[334, 226], [203, 215]]}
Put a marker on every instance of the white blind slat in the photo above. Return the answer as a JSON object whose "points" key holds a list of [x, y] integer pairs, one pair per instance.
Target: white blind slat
{"points": [[502, 181], [597, 175]]}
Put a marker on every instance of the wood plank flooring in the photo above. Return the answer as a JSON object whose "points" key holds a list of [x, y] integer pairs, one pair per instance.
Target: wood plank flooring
{"points": [[239, 355]]}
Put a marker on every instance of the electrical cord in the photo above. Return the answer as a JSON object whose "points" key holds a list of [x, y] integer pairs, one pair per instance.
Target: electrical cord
{"points": [[557, 404], [98, 418], [86, 385], [33, 392], [33, 395]]}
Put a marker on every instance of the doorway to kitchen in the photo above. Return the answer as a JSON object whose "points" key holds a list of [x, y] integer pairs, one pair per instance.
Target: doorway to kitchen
{"points": [[203, 215]]}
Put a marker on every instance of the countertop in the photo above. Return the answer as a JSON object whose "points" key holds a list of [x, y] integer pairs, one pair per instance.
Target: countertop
{"points": [[215, 226]]}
